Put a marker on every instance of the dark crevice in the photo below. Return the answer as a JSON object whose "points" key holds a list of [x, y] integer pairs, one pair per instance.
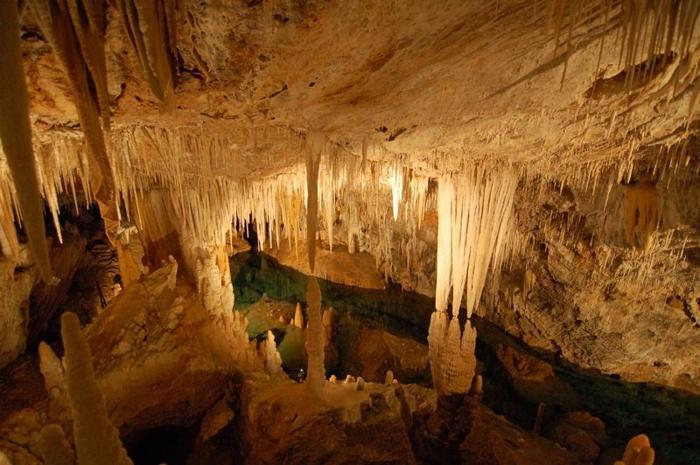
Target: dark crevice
{"points": [[630, 79]]}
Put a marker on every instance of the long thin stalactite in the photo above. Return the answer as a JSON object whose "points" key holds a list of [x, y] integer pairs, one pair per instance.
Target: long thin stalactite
{"points": [[16, 136]]}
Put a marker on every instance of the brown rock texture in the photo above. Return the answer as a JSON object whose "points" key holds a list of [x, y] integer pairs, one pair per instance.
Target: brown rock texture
{"points": [[155, 358], [286, 424], [373, 352], [582, 434], [339, 266], [461, 430]]}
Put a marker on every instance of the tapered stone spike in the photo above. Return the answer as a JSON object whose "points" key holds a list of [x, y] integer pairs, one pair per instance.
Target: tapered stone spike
{"points": [[634, 445], [645, 456], [642, 216], [298, 317], [315, 338], [315, 143], [16, 136], [152, 32], [389, 377], [96, 439], [273, 361], [477, 388], [474, 220], [53, 446]]}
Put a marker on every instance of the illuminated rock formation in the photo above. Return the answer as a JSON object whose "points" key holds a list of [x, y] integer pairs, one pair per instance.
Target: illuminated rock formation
{"points": [[273, 361], [531, 163], [53, 446], [96, 439], [315, 340], [14, 302]]}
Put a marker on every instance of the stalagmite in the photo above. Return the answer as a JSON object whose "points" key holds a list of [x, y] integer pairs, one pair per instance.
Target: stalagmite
{"points": [[298, 317], [273, 361], [16, 136], [315, 338], [96, 439], [53, 446], [638, 452], [54, 384], [328, 324], [477, 388], [389, 377], [457, 359]]}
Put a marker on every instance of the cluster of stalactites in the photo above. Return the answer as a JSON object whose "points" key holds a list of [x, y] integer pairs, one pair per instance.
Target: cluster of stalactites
{"points": [[204, 185], [76, 31], [202, 196], [649, 31], [642, 174], [474, 224]]}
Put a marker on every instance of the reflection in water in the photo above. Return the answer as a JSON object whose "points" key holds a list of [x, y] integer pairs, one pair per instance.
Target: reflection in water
{"points": [[670, 417]]}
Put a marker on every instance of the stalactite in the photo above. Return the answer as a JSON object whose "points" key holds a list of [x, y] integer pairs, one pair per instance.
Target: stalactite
{"points": [[55, 22], [58, 164], [88, 18], [446, 194], [315, 143], [418, 191], [474, 216], [82, 56], [96, 439], [396, 182], [649, 30], [16, 137], [150, 26], [641, 210]]}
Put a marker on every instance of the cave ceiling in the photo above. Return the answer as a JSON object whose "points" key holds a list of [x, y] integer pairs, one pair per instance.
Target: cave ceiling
{"points": [[437, 83]]}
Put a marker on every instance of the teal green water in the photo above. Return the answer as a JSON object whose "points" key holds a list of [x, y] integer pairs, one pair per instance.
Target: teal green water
{"points": [[670, 417]]}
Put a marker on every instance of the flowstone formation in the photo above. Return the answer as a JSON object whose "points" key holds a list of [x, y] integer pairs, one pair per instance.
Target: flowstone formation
{"points": [[528, 164]]}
